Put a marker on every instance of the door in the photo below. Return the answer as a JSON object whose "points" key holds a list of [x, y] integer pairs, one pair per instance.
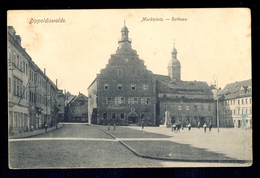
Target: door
{"points": [[132, 118]]}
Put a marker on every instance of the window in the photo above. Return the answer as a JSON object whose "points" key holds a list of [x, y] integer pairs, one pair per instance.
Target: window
{"points": [[250, 111], [138, 73], [108, 100], [133, 87], [195, 108], [23, 67], [242, 101], [179, 107], [81, 103], [113, 115], [187, 108], [238, 111], [135, 100], [238, 102], [142, 116], [26, 69], [9, 85], [202, 107], [119, 100], [106, 86], [133, 73], [132, 100], [145, 100], [246, 111], [145, 87], [18, 61], [119, 72], [209, 108], [234, 101], [9, 55], [246, 101], [250, 100], [114, 73], [119, 87], [122, 116], [105, 115], [234, 111]]}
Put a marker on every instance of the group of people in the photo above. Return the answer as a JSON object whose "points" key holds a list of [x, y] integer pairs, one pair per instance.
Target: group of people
{"points": [[205, 127], [176, 127]]}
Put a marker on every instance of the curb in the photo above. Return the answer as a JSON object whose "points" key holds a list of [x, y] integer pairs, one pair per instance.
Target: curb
{"points": [[29, 136], [108, 134], [181, 160], [175, 159]]}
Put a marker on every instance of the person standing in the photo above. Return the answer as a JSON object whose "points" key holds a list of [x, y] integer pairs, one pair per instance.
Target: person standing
{"points": [[189, 127], [205, 127], [210, 126], [142, 123], [114, 126], [45, 127]]}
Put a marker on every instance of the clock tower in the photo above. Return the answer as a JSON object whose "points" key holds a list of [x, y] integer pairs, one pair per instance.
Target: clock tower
{"points": [[174, 66]]}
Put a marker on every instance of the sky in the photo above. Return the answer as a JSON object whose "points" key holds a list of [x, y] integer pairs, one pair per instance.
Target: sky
{"points": [[212, 44]]}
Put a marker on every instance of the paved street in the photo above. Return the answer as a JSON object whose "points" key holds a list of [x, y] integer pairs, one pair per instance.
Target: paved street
{"points": [[83, 146], [74, 146], [235, 143]]}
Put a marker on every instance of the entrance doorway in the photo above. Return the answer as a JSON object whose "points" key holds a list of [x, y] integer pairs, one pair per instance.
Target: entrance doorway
{"points": [[132, 118]]}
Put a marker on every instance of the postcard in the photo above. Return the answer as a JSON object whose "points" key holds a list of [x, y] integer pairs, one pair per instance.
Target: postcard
{"points": [[129, 88]]}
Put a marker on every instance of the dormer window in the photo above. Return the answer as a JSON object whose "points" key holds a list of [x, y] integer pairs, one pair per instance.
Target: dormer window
{"points": [[106, 86], [119, 72], [119, 87], [133, 87]]}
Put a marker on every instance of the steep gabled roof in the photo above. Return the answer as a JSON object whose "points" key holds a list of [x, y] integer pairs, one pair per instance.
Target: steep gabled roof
{"points": [[232, 90], [166, 85]]}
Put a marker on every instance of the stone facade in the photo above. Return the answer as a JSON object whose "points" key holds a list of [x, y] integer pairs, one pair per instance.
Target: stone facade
{"points": [[124, 91], [32, 96], [183, 101], [235, 105], [77, 109]]}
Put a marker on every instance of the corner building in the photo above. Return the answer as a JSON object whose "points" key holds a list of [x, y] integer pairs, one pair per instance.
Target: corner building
{"points": [[124, 92]]}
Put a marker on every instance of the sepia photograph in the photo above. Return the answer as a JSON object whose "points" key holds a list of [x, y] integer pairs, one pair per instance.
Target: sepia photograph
{"points": [[129, 88]]}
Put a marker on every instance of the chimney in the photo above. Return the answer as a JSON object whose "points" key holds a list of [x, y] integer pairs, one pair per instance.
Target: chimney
{"points": [[44, 71], [57, 83]]}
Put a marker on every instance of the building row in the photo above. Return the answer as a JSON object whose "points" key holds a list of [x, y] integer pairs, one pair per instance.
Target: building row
{"points": [[33, 99], [76, 108], [125, 92]]}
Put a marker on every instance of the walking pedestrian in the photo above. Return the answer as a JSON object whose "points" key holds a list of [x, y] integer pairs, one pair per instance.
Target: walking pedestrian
{"points": [[210, 126], [205, 127], [174, 127], [114, 126], [46, 126], [198, 125], [189, 126], [142, 123]]}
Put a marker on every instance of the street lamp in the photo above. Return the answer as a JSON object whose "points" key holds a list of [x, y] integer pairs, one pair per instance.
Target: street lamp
{"points": [[217, 116], [216, 85]]}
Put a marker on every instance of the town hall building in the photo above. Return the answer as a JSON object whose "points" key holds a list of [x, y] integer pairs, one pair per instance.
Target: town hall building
{"points": [[127, 93], [124, 91]]}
